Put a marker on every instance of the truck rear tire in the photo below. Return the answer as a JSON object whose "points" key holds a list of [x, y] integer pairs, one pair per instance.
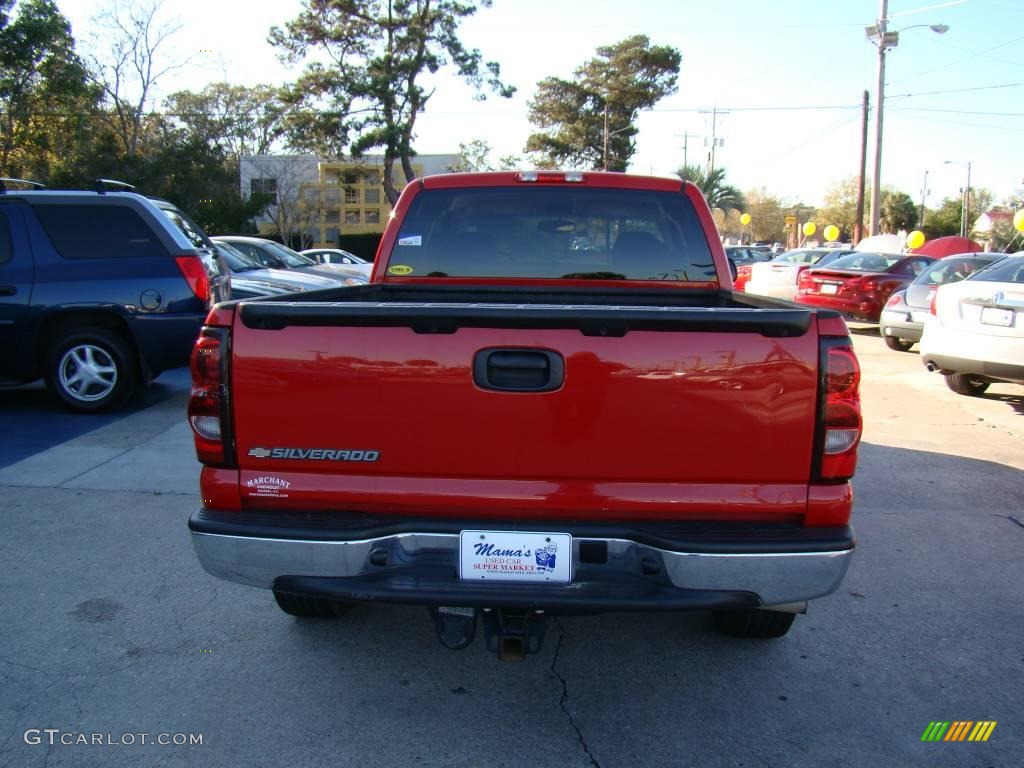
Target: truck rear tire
{"points": [[966, 384], [753, 623], [306, 607]]}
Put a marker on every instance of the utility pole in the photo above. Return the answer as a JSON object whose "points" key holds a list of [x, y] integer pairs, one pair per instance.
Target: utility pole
{"points": [[685, 135], [876, 180], [966, 226], [858, 222], [715, 112], [924, 194], [606, 135]]}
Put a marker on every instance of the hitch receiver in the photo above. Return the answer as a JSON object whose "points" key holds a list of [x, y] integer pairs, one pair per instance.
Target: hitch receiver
{"points": [[514, 632]]}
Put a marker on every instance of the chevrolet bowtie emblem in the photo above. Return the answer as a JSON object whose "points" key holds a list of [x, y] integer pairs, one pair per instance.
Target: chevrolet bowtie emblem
{"points": [[259, 453]]}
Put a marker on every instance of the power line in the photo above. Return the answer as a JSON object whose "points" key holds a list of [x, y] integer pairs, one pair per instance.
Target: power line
{"points": [[959, 61], [957, 90], [961, 112]]}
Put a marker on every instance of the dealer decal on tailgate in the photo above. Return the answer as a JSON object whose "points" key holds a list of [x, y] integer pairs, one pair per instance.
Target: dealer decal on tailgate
{"points": [[313, 454]]}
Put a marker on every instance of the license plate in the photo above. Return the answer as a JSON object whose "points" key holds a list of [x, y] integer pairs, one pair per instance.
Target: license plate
{"points": [[829, 288], [997, 316], [515, 556]]}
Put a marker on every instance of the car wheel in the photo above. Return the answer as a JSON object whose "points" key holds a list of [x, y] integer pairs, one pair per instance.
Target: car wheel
{"points": [[91, 369], [753, 623], [898, 344], [966, 384], [306, 607]]}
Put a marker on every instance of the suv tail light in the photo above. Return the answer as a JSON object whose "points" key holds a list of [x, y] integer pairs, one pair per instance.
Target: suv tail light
{"points": [[840, 410], [208, 412], [194, 272]]}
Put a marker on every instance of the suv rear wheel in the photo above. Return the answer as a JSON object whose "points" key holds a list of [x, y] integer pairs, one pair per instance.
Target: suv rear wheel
{"points": [[91, 369], [966, 384]]}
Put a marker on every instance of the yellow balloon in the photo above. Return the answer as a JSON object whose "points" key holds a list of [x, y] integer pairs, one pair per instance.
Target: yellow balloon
{"points": [[810, 228], [744, 219], [831, 232], [915, 239], [1018, 220]]}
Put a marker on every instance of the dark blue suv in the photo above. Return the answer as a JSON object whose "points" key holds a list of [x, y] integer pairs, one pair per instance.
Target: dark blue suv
{"points": [[100, 291]]}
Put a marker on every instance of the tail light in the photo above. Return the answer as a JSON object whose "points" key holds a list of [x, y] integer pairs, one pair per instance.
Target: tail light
{"points": [[804, 280], [840, 410], [932, 310], [867, 284], [194, 272], [208, 411], [893, 300]]}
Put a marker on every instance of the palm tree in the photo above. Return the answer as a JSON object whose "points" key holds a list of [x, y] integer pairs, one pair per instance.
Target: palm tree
{"points": [[716, 191]]}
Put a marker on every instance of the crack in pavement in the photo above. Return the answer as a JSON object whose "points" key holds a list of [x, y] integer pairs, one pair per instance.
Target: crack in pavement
{"points": [[563, 701], [1013, 519]]}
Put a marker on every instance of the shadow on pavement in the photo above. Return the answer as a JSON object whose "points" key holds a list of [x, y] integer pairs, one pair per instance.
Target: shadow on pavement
{"points": [[34, 420]]}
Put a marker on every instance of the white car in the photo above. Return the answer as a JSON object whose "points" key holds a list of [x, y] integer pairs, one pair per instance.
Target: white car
{"points": [[974, 334], [330, 256], [778, 278]]}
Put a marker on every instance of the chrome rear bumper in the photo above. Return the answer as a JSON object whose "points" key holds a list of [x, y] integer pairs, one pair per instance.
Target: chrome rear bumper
{"points": [[412, 567]]}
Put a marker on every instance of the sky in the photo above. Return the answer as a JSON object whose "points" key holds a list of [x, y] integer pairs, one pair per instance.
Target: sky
{"points": [[789, 74]]}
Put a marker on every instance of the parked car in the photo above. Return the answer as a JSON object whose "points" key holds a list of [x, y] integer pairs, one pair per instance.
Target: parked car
{"points": [[748, 254], [338, 256], [974, 334], [100, 291], [902, 320], [277, 256], [859, 284], [276, 281], [778, 277]]}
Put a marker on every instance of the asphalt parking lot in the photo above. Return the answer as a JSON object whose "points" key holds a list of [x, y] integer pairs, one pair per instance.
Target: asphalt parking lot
{"points": [[111, 627]]}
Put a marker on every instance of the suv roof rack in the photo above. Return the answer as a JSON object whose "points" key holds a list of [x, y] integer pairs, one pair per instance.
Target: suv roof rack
{"points": [[101, 185], [4, 182]]}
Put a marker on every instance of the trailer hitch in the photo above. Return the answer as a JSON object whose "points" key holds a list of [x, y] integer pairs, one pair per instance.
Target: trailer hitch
{"points": [[514, 632], [455, 626]]}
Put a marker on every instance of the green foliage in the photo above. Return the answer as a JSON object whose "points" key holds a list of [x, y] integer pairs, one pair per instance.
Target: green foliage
{"points": [[944, 220], [767, 218], [898, 211], [571, 114], [840, 207], [716, 191], [40, 75], [235, 119], [369, 95]]}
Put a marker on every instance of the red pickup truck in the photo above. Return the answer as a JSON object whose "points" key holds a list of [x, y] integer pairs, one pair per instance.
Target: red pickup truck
{"points": [[547, 401]]}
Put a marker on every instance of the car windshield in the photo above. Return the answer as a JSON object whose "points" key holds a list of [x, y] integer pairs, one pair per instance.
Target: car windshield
{"points": [[866, 262], [950, 270], [237, 261], [288, 256], [1008, 270]]}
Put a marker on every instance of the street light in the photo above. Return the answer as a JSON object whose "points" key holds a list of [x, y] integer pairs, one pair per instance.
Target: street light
{"points": [[884, 40], [965, 206]]}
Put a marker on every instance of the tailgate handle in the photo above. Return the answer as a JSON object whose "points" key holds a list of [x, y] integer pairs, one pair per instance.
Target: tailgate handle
{"points": [[518, 370]]}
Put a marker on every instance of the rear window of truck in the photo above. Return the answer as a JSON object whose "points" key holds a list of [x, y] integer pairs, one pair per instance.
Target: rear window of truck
{"points": [[550, 233]]}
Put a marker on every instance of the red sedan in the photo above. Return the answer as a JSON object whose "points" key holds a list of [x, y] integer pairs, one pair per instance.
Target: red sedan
{"points": [[859, 284]]}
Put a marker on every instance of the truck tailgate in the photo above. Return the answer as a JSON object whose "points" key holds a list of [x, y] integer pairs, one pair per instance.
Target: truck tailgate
{"points": [[652, 423]]}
